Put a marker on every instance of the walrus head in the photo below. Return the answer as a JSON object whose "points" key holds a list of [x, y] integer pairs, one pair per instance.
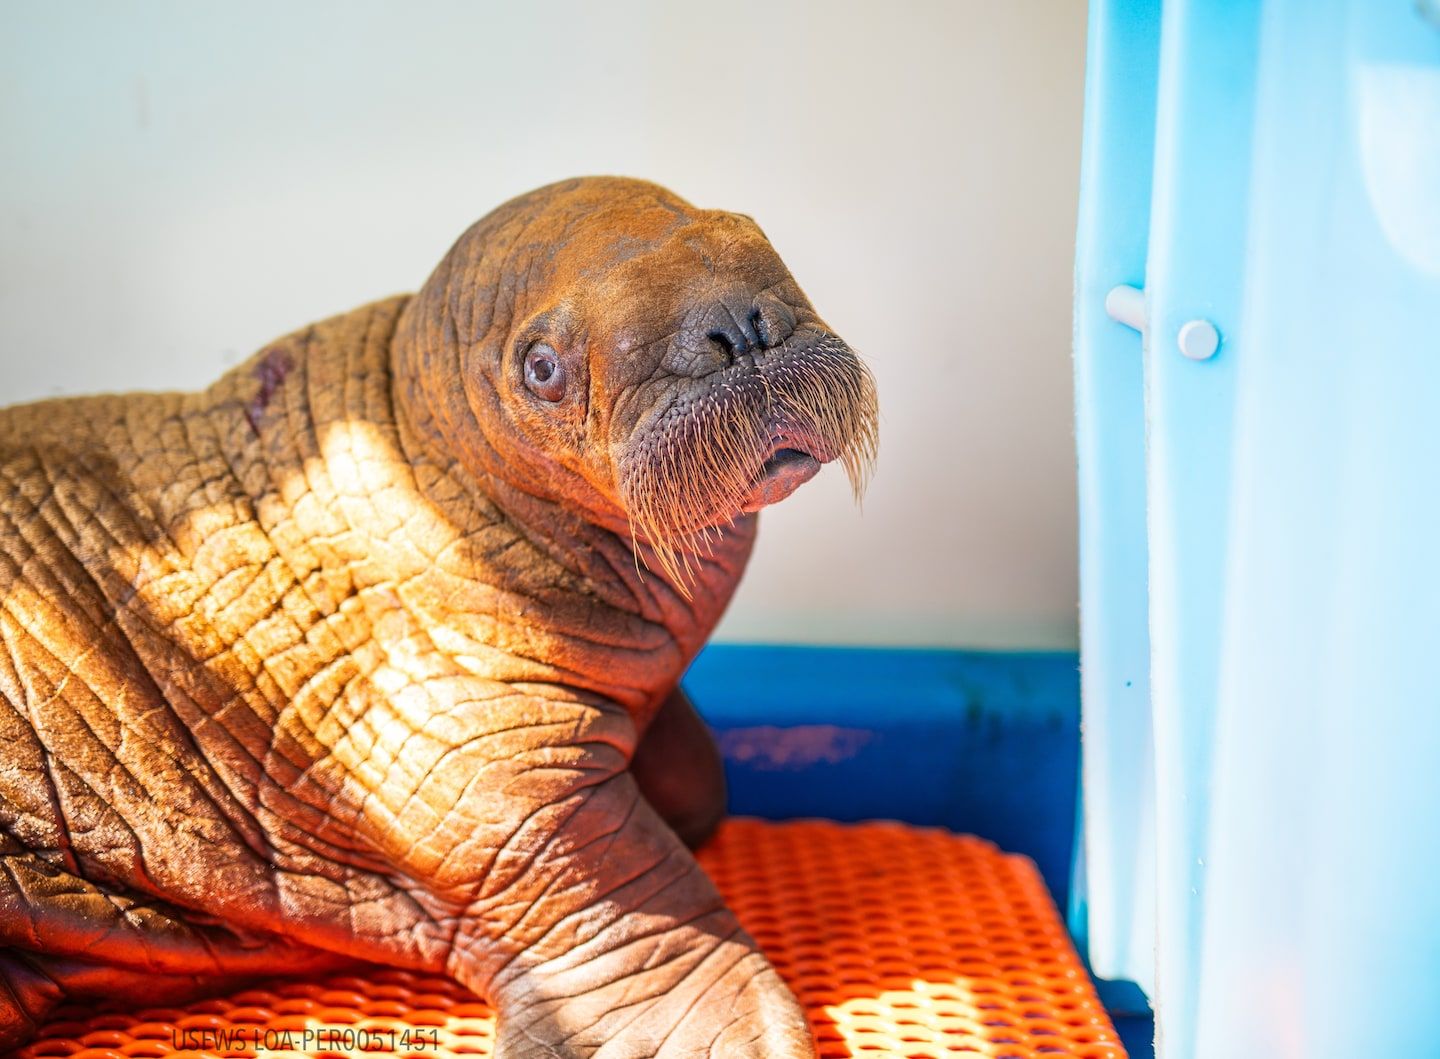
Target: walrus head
{"points": [[604, 344]]}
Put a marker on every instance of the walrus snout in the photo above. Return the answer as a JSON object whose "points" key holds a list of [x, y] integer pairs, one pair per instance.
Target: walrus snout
{"points": [[733, 438], [731, 322]]}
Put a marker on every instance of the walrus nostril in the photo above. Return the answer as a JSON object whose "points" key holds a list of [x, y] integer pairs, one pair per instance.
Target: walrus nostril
{"points": [[728, 323], [757, 323], [728, 344], [731, 329], [773, 321]]}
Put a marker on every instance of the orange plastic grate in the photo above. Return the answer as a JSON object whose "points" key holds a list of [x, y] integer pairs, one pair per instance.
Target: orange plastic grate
{"points": [[900, 942]]}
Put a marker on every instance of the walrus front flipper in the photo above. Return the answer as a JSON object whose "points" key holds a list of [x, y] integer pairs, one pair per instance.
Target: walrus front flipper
{"points": [[680, 772], [578, 912], [27, 996], [637, 954], [32, 986], [65, 938]]}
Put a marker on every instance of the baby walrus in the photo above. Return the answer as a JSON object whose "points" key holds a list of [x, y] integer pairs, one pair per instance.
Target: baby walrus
{"points": [[370, 651]]}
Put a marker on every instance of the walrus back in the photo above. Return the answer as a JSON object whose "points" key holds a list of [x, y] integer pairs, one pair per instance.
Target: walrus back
{"points": [[136, 723], [86, 678], [154, 632]]}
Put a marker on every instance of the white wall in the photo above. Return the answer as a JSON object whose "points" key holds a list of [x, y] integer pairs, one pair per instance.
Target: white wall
{"points": [[181, 182]]}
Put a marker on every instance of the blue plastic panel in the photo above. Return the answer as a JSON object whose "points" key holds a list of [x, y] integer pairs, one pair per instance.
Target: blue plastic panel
{"points": [[1196, 270], [1113, 906], [1293, 571], [984, 742], [1322, 911]]}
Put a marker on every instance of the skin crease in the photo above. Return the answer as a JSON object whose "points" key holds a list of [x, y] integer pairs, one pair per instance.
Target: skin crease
{"points": [[348, 656]]}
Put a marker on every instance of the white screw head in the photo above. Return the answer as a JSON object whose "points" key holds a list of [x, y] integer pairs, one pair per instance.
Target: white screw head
{"points": [[1198, 339]]}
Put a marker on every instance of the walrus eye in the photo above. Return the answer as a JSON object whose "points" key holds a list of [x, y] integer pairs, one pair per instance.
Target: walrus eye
{"points": [[544, 373]]}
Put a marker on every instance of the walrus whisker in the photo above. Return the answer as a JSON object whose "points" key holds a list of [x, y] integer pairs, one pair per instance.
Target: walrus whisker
{"points": [[695, 468]]}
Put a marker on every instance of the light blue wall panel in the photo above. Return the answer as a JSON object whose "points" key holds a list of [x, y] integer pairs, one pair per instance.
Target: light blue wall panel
{"points": [[1115, 891], [1322, 912], [1195, 272], [1293, 535]]}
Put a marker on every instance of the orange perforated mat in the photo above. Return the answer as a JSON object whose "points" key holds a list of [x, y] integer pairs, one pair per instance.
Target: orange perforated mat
{"points": [[899, 941]]}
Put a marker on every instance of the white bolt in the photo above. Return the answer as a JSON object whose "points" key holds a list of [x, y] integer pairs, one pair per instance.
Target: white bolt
{"points": [[1198, 339], [1126, 305]]}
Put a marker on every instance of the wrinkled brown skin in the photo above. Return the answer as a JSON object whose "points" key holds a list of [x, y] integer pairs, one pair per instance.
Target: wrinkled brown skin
{"points": [[345, 658]]}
